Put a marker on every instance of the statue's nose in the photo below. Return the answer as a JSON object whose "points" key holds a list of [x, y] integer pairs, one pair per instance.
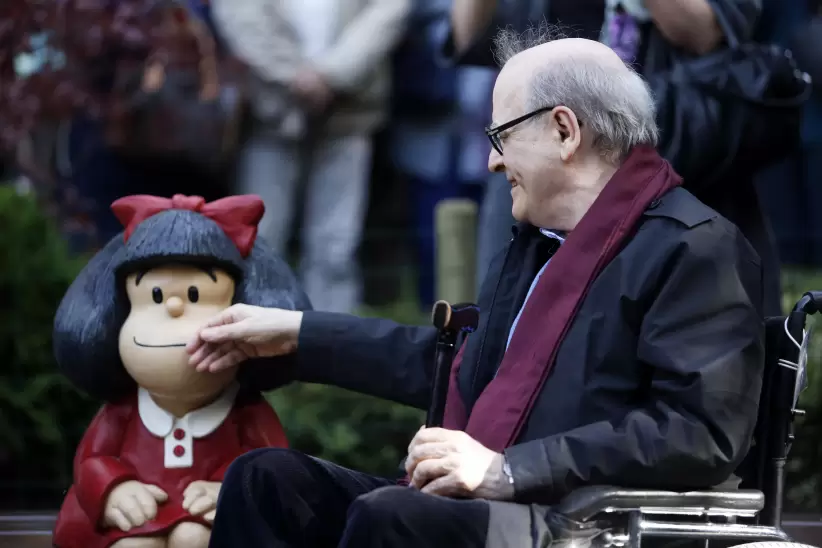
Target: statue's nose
{"points": [[175, 306]]}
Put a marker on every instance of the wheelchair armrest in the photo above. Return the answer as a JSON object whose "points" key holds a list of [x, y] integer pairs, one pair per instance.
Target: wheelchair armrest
{"points": [[585, 503]]}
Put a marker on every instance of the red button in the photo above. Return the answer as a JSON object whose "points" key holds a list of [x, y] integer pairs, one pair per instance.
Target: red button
{"points": [[179, 451], [179, 434]]}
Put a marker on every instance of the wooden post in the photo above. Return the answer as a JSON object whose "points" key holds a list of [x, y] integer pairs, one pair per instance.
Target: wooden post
{"points": [[455, 224]]}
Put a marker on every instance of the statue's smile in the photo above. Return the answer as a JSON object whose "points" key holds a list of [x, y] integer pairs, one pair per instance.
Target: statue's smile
{"points": [[158, 345]]}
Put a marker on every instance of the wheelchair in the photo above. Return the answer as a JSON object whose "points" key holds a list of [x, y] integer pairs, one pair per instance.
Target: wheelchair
{"points": [[605, 517], [616, 517]]}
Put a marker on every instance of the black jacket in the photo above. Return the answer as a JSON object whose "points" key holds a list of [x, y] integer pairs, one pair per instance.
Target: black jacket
{"points": [[656, 384]]}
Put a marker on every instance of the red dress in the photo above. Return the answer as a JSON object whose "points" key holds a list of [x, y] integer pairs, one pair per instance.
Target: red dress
{"points": [[136, 440]]}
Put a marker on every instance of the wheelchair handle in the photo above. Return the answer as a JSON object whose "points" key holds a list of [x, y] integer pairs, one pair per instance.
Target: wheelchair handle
{"points": [[810, 303]]}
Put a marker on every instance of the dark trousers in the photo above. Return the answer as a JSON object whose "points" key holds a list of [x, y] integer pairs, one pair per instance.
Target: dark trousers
{"points": [[275, 498]]}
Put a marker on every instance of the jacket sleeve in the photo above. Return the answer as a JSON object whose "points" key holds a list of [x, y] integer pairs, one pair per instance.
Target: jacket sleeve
{"points": [[702, 342], [368, 355], [97, 465], [259, 35], [364, 44]]}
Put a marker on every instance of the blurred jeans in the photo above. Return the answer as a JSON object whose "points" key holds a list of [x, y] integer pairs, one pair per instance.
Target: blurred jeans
{"points": [[495, 221], [98, 175], [331, 176]]}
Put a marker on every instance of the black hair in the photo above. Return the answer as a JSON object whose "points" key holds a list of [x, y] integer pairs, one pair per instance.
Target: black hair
{"points": [[88, 322]]}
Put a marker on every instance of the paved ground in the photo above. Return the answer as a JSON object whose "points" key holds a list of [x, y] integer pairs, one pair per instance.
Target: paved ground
{"points": [[33, 530]]}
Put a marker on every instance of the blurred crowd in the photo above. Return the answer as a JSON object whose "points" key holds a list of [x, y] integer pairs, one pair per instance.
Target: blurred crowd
{"points": [[359, 122]]}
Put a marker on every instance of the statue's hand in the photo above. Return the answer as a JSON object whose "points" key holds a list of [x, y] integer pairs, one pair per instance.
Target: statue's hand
{"points": [[200, 498], [131, 504]]}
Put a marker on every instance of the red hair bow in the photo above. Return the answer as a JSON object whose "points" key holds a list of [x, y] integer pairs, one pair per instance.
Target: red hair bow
{"points": [[236, 215]]}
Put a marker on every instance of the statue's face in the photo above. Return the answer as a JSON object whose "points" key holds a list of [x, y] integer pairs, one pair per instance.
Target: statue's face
{"points": [[168, 305]]}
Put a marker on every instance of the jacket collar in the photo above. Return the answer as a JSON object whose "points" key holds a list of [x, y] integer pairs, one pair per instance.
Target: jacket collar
{"points": [[200, 422]]}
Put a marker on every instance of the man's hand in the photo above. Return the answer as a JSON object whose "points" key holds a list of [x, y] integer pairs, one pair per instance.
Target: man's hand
{"points": [[131, 504], [241, 332], [469, 20], [200, 498], [453, 464], [310, 86]]}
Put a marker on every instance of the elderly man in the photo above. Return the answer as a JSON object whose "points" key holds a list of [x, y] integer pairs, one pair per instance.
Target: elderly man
{"points": [[620, 342]]}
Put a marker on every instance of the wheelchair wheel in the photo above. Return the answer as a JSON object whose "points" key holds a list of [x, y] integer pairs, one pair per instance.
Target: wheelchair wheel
{"points": [[773, 544]]}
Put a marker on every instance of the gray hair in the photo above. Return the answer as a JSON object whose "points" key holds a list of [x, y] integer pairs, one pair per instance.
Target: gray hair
{"points": [[614, 103]]}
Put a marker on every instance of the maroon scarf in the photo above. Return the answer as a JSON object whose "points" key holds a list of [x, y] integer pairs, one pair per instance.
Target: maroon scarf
{"points": [[503, 407]]}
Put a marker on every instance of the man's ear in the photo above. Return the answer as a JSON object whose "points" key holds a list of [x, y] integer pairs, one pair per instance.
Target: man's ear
{"points": [[567, 125]]}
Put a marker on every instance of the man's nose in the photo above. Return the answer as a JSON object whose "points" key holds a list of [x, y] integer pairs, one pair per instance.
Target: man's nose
{"points": [[495, 162], [175, 306]]}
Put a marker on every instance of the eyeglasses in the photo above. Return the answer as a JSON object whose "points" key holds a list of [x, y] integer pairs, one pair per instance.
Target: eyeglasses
{"points": [[494, 132]]}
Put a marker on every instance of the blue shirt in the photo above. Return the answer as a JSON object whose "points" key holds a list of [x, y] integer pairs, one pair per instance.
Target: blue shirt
{"points": [[553, 236]]}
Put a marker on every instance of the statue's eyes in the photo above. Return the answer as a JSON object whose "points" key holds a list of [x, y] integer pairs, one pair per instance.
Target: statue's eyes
{"points": [[157, 295], [193, 294]]}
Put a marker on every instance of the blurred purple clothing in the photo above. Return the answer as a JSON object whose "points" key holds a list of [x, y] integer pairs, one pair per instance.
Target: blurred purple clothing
{"points": [[624, 36]]}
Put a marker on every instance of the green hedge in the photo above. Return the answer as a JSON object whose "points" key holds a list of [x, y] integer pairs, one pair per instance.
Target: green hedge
{"points": [[42, 418]]}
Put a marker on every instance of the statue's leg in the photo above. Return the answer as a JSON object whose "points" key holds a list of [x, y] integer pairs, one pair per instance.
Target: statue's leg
{"points": [[141, 542], [189, 535]]}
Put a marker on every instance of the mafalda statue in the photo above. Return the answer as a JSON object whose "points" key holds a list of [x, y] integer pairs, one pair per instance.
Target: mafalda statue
{"points": [[148, 471]]}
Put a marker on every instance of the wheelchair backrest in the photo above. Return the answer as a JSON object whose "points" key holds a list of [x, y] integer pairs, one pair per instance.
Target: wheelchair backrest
{"points": [[764, 467]]}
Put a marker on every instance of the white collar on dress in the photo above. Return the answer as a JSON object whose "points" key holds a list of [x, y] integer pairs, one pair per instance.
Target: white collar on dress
{"points": [[201, 422]]}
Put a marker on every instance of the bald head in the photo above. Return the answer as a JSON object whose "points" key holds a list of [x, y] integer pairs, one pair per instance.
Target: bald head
{"points": [[583, 75], [580, 49]]}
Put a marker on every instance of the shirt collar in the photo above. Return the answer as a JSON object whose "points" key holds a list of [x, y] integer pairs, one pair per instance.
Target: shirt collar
{"points": [[553, 234], [201, 422], [520, 228]]}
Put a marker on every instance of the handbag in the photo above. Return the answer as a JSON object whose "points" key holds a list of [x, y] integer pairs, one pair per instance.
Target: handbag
{"points": [[188, 115], [737, 108]]}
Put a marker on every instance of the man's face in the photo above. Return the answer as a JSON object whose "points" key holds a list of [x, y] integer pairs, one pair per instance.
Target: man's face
{"points": [[533, 151]]}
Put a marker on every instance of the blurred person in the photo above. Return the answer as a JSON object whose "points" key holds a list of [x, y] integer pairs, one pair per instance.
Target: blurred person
{"points": [[580, 18], [620, 341], [437, 153], [651, 35], [319, 90], [791, 189]]}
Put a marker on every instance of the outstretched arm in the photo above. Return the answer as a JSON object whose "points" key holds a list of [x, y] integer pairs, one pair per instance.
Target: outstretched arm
{"points": [[372, 356]]}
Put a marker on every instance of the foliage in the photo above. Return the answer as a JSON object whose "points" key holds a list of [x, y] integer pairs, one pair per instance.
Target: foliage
{"points": [[42, 416]]}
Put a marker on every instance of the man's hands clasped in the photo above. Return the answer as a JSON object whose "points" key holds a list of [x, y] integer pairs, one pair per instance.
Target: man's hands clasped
{"points": [[451, 463]]}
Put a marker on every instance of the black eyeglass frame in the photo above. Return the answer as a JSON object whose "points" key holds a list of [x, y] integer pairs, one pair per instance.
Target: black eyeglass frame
{"points": [[493, 132]]}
